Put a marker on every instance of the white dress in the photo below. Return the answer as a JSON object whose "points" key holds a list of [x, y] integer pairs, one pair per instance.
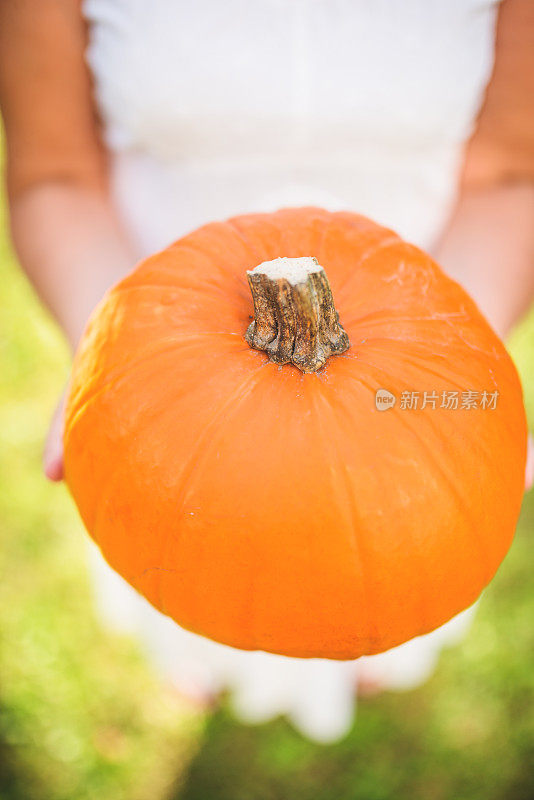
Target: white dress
{"points": [[214, 108]]}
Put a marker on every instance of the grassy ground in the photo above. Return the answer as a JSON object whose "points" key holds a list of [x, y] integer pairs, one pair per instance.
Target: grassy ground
{"points": [[82, 717]]}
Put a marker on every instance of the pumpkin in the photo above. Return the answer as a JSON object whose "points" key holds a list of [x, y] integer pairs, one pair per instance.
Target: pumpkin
{"points": [[255, 489]]}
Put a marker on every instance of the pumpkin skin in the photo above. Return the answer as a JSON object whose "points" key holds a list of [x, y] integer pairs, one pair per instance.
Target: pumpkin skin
{"points": [[270, 509]]}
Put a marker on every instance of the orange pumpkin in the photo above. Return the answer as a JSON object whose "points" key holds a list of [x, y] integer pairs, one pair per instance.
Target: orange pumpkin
{"points": [[266, 507]]}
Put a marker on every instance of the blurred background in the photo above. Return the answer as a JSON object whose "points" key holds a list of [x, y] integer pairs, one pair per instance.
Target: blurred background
{"points": [[82, 717]]}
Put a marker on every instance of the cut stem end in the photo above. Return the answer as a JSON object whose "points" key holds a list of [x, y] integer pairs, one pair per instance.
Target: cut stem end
{"points": [[295, 320]]}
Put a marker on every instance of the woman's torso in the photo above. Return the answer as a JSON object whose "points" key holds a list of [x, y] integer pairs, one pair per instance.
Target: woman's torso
{"points": [[212, 109]]}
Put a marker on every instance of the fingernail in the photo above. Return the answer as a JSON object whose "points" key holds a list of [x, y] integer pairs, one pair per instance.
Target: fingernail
{"points": [[53, 469]]}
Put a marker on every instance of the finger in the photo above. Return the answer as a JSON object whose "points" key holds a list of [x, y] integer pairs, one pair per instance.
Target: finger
{"points": [[53, 449], [529, 470]]}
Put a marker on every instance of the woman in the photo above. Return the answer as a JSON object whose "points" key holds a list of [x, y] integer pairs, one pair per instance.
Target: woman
{"points": [[209, 109]]}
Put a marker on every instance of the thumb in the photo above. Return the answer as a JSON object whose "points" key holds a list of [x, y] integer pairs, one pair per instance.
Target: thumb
{"points": [[53, 449]]}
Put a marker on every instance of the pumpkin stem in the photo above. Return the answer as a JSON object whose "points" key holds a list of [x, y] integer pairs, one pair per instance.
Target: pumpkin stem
{"points": [[295, 318]]}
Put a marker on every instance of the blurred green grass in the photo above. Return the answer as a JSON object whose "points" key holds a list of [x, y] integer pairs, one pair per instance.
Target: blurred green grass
{"points": [[82, 717]]}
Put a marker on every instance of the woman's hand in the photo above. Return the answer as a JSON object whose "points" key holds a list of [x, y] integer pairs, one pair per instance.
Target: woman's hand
{"points": [[488, 247], [529, 470], [53, 449], [70, 244]]}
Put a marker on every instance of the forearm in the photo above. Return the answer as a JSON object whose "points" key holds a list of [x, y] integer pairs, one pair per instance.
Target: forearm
{"points": [[488, 247], [71, 246]]}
